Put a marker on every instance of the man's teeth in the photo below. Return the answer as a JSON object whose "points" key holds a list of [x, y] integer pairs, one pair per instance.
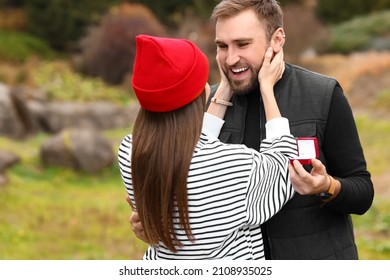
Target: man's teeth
{"points": [[239, 70]]}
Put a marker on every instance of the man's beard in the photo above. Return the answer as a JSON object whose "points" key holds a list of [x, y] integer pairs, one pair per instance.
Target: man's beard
{"points": [[239, 87]]}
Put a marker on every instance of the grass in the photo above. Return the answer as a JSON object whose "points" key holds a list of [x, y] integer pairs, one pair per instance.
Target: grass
{"points": [[55, 213], [373, 228], [375, 136]]}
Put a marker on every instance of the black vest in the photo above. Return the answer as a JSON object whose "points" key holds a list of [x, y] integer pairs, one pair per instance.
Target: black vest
{"points": [[302, 229]]}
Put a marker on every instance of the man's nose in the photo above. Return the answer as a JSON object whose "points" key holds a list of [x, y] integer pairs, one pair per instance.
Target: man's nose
{"points": [[232, 57]]}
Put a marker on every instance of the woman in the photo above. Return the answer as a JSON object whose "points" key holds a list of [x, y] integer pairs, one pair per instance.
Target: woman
{"points": [[198, 198]]}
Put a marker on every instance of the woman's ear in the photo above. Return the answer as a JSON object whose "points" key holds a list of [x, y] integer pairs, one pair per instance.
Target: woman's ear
{"points": [[278, 39]]}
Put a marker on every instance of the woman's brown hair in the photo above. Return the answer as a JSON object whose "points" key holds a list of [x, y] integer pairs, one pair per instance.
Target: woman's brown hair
{"points": [[162, 150]]}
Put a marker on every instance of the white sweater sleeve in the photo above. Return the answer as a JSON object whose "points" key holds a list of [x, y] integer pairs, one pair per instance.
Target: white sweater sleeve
{"points": [[277, 127], [212, 125]]}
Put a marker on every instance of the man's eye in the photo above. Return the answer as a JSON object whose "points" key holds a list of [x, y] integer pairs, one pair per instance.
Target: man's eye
{"points": [[222, 47], [243, 45]]}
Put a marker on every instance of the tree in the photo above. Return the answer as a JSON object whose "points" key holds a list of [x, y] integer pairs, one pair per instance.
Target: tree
{"points": [[171, 12], [335, 11], [62, 21]]}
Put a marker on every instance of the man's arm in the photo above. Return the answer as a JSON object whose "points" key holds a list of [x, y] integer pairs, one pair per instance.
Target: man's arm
{"points": [[345, 159], [345, 163]]}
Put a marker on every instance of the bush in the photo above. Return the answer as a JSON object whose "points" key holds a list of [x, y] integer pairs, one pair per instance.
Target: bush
{"points": [[19, 46], [60, 22], [109, 50], [336, 11], [62, 84], [357, 33]]}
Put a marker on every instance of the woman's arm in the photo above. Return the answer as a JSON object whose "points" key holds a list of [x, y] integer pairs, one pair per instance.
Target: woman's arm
{"points": [[271, 71], [221, 99]]}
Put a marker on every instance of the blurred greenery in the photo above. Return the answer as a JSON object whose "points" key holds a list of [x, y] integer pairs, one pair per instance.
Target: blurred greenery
{"points": [[63, 22], [56, 213], [373, 228], [19, 46], [172, 12], [356, 34], [375, 137], [372, 231], [61, 83], [383, 100], [335, 11]]}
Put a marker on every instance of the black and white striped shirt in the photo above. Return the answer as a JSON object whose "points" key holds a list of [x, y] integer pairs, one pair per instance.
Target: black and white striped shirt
{"points": [[231, 191]]}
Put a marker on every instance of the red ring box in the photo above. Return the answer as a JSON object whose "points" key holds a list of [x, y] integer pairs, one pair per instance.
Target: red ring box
{"points": [[307, 150]]}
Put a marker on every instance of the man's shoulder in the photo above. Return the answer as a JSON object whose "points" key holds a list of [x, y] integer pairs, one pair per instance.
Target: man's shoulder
{"points": [[310, 78], [301, 71]]}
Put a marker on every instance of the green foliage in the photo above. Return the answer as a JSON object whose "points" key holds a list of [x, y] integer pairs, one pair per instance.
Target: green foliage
{"points": [[335, 11], [357, 33], [171, 12], [60, 22], [63, 84], [12, 3], [18, 47]]}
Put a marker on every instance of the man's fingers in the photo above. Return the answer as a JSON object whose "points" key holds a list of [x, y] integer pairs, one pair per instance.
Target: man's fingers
{"points": [[317, 165], [299, 168]]}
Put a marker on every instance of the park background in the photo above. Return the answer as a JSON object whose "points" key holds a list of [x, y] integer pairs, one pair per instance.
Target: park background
{"points": [[81, 51]]}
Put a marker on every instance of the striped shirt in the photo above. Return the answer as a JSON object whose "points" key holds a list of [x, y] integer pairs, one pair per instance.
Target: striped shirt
{"points": [[231, 191]]}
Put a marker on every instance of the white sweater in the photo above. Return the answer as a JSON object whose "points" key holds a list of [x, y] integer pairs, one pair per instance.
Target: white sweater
{"points": [[231, 191]]}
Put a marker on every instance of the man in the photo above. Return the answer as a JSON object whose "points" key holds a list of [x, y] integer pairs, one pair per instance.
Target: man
{"points": [[316, 223]]}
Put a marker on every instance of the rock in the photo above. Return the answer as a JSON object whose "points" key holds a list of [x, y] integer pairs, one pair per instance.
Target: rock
{"points": [[10, 122], [7, 159], [79, 149], [56, 116]]}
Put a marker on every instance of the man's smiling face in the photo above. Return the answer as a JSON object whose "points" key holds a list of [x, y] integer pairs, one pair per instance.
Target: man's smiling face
{"points": [[241, 44]]}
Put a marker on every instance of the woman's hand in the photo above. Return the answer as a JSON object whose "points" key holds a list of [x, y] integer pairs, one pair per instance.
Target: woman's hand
{"points": [[224, 90], [271, 71]]}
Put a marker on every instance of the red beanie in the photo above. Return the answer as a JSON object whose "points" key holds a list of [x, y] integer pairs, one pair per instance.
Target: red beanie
{"points": [[168, 73]]}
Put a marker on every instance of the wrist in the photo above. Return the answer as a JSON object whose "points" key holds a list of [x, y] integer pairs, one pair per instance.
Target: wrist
{"points": [[223, 92], [221, 101], [266, 89], [330, 193]]}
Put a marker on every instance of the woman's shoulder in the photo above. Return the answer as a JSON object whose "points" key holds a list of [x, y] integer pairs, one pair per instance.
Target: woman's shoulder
{"points": [[125, 145]]}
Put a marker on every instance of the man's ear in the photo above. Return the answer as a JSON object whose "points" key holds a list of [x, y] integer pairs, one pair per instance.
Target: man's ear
{"points": [[278, 39]]}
